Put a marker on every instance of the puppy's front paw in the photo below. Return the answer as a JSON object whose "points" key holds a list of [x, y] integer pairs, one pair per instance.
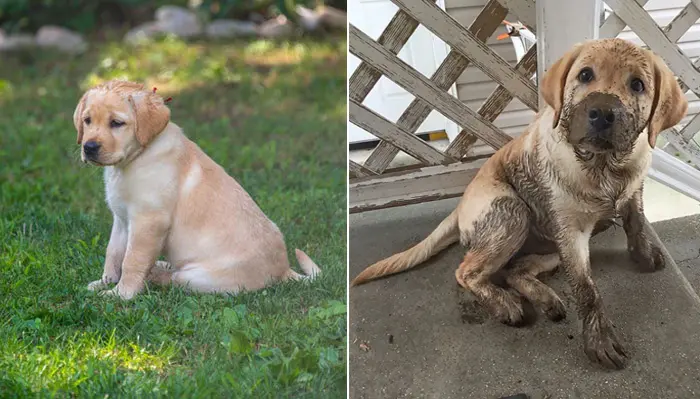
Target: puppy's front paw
{"points": [[509, 310], [103, 283], [555, 310], [97, 285], [648, 256], [121, 292], [601, 343]]}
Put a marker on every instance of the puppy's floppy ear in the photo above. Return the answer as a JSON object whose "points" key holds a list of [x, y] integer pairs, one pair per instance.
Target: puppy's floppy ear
{"points": [[78, 117], [152, 115], [554, 81], [669, 105]]}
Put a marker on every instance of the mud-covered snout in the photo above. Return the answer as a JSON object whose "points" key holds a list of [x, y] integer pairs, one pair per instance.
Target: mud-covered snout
{"points": [[601, 123]]}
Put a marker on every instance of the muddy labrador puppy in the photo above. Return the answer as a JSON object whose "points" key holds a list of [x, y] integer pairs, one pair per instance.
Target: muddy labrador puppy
{"points": [[168, 197], [579, 165]]}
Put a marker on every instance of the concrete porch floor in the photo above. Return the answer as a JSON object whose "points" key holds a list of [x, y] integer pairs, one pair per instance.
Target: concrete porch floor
{"points": [[418, 334]]}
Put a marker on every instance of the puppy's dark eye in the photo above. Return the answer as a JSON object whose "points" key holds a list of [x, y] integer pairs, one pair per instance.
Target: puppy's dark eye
{"points": [[586, 75], [637, 85], [115, 124], [87, 120]]}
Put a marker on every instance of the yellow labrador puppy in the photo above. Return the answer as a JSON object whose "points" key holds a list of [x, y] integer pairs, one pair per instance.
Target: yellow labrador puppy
{"points": [[539, 199], [168, 197]]}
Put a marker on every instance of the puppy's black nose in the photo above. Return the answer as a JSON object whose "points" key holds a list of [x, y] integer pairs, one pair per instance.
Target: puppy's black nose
{"points": [[601, 119], [91, 148]]}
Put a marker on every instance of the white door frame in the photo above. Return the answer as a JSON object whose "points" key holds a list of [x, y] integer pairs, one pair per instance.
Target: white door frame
{"points": [[556, 34]]}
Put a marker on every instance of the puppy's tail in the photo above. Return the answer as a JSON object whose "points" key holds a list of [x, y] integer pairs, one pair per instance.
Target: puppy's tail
{"points": [[443, 236], [308, 266]]}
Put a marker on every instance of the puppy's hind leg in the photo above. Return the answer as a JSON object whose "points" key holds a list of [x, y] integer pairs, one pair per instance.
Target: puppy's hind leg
{"points": [[522, 276], [161, 273], [493, 237]]}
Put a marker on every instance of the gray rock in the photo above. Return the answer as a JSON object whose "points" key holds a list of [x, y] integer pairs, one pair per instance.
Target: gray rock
{"points": [[257, 18], [276, 28], [61, 39], [309, 19], [333, 18], [143, 32], [321, 18], [16, 42], [227, 28], [178, 21]]}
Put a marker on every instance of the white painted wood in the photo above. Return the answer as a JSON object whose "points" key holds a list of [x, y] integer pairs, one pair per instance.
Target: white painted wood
{"points": [[691, 128], [682, 22], [460, 39], [696, 3], [647, 30], [424, 51], [525, 10], [359, 170], [557, 34], [493, 106], [669, 171], [684, 147], [402, 74], [424, 184], [482, 26], [613, 24], [403, 139]]}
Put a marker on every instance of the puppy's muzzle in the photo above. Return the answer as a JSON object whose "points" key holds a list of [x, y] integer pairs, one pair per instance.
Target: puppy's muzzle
{"points": [[91, 149], [599, 122], [605, 112]]}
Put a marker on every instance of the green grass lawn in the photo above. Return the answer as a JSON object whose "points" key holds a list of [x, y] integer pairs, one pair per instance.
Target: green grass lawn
{"points": [[273, 115]]}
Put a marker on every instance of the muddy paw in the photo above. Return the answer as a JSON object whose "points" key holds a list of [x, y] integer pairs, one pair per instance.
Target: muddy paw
{"points": [[511, 312], [555, 311], [601, 343], [649, 257]]}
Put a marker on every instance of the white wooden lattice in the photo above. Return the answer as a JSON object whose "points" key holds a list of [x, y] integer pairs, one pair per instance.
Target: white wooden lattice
{"points": [[441, 174]]}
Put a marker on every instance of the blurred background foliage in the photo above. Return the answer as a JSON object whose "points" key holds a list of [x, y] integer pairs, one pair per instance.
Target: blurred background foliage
{"points": [[86, 16]]}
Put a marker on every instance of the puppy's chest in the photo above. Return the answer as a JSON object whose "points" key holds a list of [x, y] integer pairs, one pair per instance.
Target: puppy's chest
{"points": [[116, 194], [597, 197], [128, 193]]}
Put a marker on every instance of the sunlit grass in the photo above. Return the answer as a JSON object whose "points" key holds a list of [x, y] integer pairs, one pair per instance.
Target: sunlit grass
{"points": [[177, 65], [273, 115]]}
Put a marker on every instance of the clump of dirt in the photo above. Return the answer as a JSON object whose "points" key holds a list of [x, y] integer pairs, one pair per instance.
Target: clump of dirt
{"points": [[471, 312]]}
